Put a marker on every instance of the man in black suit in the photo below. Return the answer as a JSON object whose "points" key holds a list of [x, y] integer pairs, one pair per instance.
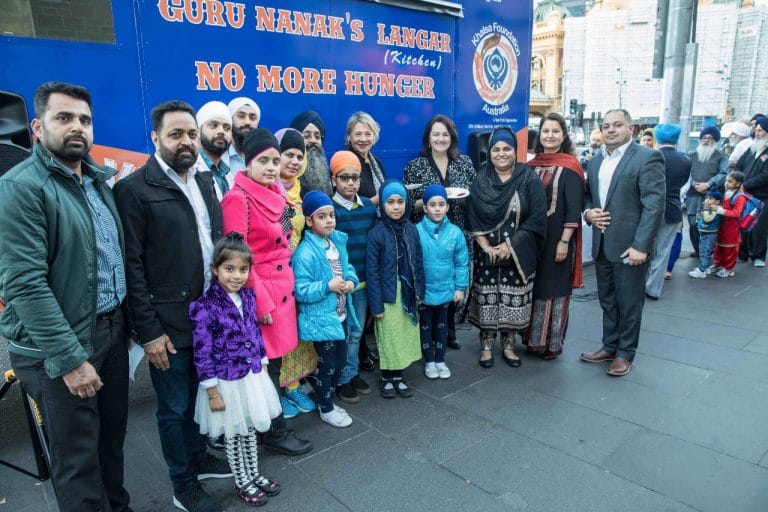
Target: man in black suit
{"points": [[677, 170], [625, 205], [172, 218]]}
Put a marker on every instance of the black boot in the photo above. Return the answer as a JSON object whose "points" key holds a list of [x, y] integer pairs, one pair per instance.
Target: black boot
{"points": [[282, 440]]}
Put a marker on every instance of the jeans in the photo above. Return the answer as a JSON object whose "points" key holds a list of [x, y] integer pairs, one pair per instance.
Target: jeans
{"points": [[707, 243], [183, 445], [86, 434], [665, 237], [355, 334], [433, 329], [331, 356]]}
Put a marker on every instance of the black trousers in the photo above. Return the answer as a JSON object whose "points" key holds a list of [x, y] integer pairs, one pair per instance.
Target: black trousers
{"points": [[279, 427], [86, 434], [331, 358], [621, 290], [755, 243], [693, 233]]}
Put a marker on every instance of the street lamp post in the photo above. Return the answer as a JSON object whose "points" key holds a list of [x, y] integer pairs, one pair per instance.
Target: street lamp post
{"points": [[621, 82]]}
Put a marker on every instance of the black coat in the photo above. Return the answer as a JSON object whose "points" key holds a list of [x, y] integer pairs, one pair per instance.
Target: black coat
{"points": [[677, 170], [755, 173], [164, 261]]}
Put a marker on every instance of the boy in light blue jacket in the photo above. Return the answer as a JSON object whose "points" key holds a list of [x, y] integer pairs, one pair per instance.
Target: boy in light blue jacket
{"points": [[446, 272], [324, 281]]}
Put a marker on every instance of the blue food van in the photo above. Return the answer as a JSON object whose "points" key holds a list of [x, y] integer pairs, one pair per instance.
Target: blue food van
{"points": [[402, 61]]}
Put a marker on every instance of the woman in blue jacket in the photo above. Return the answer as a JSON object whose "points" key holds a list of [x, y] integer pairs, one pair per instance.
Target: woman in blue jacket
{"points": [[395, 277], [324, 280], [446, 273]]}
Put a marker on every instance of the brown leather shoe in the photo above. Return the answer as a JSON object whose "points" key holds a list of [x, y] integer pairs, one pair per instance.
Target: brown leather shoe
{"points": [[619, 367], [597, 357]]}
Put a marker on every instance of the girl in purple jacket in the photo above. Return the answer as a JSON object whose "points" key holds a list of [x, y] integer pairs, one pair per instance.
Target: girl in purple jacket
{"points": [[236, 398]]}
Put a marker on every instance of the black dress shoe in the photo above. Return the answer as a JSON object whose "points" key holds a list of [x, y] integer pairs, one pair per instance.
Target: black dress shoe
{"points": [[514, 363], [488, 363], [452, 343], [650, 297], [286, 443]]}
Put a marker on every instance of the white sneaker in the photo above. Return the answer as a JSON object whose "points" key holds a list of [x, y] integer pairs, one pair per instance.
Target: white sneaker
{"points": [[697, 273], [724, 273], [443, 371], [759, 263], [430, 371], [336, 418], [713, 270]]}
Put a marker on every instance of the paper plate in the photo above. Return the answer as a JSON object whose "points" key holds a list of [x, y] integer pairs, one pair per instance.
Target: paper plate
{"points": [[456, 192]]}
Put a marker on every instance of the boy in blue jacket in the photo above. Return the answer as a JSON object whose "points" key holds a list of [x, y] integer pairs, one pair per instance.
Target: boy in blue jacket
{"points": [[446, 272], [324, 282]]}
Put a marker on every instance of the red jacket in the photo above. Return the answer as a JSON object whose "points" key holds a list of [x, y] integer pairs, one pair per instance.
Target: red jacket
{"points": [[729, 233]]}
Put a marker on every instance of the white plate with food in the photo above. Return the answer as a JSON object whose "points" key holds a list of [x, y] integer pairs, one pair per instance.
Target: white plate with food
{"points": [[412, 186], [457, 192]]}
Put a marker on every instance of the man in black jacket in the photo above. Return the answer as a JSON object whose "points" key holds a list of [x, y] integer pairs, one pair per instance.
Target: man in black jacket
{"points": [[171, 219], [677, 169], [754, 165]]}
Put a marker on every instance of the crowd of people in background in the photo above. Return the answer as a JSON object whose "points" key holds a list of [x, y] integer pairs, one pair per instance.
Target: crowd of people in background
{"points": [[249, 266]]}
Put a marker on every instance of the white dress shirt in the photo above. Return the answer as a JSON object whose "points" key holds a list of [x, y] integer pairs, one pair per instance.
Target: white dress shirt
{"points": [[607, 168], [203, 220]]}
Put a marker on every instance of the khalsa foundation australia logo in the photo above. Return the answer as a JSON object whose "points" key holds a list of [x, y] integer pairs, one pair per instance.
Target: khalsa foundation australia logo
{"points": [[494, 65]]}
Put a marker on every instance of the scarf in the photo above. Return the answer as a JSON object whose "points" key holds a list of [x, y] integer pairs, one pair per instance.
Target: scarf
{"points": [[571, 164], [490, 199], [292, 187], [219, 172]]}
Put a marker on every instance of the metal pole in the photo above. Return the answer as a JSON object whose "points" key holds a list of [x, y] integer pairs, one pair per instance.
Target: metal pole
{"points": [[686, 101], [679, 25]]}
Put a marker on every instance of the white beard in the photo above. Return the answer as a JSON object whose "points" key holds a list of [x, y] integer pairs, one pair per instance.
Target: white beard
{"points": [[758, 146], [705, 152]]}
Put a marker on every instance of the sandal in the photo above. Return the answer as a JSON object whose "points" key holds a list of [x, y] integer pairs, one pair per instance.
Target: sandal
{"points": [[251, 494], [270, 487], [402, 389]]}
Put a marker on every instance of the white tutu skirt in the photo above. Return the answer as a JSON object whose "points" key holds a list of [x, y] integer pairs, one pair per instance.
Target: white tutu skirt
{"points": [[250, 402]]}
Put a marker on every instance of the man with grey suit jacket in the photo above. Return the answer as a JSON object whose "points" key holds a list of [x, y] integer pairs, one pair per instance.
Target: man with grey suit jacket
{"points": [[624, 205]]}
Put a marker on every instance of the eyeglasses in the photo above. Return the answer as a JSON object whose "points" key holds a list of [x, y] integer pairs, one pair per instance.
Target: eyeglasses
{"points": [[348, 177]]}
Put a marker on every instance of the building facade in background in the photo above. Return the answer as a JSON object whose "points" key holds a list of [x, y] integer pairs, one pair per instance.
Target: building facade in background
{"points": [[606, 60]]}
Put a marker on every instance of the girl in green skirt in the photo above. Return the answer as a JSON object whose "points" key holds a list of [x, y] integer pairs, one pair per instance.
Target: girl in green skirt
{"points": [[395, 275]]}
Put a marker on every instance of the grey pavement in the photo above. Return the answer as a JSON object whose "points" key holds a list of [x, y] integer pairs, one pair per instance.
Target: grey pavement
{"points": [[684, 431]]}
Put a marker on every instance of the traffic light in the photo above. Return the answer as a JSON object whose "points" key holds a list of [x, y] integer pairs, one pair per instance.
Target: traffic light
{"points": [[580, 118], [574, 106]]}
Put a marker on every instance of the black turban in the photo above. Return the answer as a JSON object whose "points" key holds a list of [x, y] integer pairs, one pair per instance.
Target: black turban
{"points": [[308, 117], [256, 141]]}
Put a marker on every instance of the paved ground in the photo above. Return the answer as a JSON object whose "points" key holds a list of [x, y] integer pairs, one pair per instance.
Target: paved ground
{"points": [[686, 430]]}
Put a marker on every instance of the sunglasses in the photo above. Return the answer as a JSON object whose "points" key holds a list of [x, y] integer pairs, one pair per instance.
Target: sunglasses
{"points": [[348, 177]]}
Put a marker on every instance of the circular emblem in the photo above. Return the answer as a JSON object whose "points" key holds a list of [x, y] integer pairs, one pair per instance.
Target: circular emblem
{"points": [[494, 68]]}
